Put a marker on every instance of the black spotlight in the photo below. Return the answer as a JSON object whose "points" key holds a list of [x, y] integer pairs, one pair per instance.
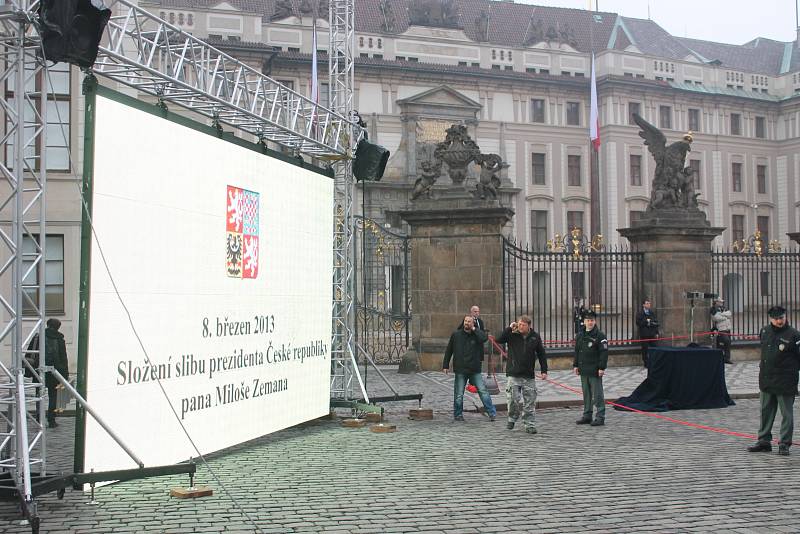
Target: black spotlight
{"points": [[71, 29], [370, 161]]}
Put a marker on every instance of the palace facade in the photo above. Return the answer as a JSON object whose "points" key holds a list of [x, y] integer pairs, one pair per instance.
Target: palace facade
{"points": [[518, 76]]}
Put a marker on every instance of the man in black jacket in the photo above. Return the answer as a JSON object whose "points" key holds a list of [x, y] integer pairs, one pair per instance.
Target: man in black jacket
{"points": [[648, 328], [466, 349], [55, 354], [524, 347], [777, 380], [591, 359]]}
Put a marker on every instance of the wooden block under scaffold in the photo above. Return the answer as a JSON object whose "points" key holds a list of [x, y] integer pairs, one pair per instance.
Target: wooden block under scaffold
{"points": [[353, 423], [383, 428], [420, 414], [191, 493], [373, 417]]}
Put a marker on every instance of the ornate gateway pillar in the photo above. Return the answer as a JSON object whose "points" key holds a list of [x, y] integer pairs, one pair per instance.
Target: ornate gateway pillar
{"points": [[675, 237], [456, 242]]}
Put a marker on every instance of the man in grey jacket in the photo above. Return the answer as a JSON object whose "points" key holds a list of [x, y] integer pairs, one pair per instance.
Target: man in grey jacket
{"points": [[721, 320]]}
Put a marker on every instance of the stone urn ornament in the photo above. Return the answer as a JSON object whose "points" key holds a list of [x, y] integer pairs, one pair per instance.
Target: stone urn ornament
{"points": [[457, 150]]}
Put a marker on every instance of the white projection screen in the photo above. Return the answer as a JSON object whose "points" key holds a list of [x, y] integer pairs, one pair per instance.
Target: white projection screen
{"points": [[223, 258]]}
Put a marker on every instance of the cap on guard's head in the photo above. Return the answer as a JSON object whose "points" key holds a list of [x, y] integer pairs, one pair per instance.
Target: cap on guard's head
{"points": [[776, 312]]}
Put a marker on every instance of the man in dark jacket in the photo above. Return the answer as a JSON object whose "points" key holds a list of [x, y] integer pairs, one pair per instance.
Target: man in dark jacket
{"points": [[577, 315], [524, 347], [777, 380], [55, 354], [648, 328], [466, 349], [591, 359]]}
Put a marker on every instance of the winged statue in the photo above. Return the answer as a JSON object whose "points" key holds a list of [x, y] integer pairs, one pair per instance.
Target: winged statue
{"points": [[673, 183]]}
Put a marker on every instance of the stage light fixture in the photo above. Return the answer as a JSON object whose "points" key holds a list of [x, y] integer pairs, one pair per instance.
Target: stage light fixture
{"points": [[71, 30], [370, 161]]}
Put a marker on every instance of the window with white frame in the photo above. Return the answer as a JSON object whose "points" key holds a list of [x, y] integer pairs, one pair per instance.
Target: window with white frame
{"points": [[55, 82], [538, 169], [636, 169], [539, 229], [54, 274]]}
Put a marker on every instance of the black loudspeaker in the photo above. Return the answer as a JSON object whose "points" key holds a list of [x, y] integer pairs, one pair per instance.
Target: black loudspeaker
{"points": [[370, 161], [71, 30]]}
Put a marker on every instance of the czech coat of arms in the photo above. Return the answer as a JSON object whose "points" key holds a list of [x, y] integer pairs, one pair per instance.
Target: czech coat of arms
{"points": [[241, 221]]}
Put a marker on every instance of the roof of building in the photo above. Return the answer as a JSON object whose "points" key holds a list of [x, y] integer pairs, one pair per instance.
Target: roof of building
{"points": [[509, 24], [653, 40], [760, 56]]}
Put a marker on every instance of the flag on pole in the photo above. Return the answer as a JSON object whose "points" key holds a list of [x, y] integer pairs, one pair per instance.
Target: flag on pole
{"points": [[594, 118], [314, 75]]}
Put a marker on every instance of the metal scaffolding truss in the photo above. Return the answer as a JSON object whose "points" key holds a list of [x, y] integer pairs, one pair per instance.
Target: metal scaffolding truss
{"points": [[341, 81], [142, 51], [22, 273]]}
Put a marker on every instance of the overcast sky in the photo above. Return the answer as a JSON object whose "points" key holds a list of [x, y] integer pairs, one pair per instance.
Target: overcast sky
{"points": [[724, 21]]}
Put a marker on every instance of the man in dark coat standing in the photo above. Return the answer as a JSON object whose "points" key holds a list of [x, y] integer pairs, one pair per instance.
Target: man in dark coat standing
{"points": [[591, 359], [466, 349], [55, 355], [777, 380], [648, 328]]}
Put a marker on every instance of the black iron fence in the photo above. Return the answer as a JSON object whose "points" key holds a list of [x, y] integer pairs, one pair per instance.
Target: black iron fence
{"points": [[751, 284], [382, 297], [549, 286]]}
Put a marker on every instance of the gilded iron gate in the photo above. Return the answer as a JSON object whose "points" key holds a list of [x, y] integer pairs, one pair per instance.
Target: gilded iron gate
{"points": [[550, 285], [383, 301], [752, 281]]}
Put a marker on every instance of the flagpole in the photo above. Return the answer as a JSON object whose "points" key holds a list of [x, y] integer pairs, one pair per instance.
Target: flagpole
{"points": [[595, 283], [314, 72], [594, 146]]}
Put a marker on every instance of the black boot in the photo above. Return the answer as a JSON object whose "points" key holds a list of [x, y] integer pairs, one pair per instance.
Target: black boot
{"points": [[761, 446]]}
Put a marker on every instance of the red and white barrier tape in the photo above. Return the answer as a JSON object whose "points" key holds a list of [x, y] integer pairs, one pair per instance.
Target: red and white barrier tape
{"points": [[641, 412], [642, 340]]}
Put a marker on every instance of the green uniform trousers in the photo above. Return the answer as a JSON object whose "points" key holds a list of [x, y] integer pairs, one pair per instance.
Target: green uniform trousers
{"points": [[770, 403], [592, 387]]}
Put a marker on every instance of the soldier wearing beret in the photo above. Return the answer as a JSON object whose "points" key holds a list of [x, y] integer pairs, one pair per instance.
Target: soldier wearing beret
{"points": [[591, 359], [777, 380]]}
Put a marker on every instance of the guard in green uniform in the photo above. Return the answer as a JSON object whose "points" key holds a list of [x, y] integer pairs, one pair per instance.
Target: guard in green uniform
{"points": [[591, 359], [777, 380]]}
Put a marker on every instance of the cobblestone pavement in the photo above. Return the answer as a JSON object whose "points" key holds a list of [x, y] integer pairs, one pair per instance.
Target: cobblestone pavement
{"points": [[636, 474]]}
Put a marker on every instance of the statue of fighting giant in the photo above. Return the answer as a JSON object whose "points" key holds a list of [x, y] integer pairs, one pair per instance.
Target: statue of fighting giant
{"points": [[673, 183]]}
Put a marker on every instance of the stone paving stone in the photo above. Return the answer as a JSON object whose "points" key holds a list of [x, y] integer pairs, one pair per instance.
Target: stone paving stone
{"points": [[637, 474]]}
